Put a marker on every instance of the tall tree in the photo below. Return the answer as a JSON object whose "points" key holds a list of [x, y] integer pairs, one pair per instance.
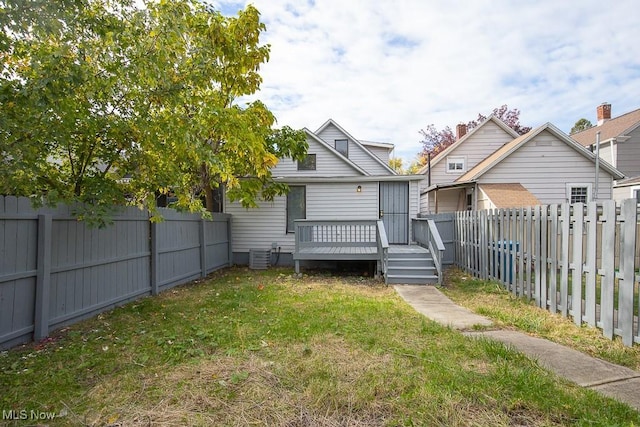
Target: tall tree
{"points": [[434, 141], [93, 91], [580, 125]]}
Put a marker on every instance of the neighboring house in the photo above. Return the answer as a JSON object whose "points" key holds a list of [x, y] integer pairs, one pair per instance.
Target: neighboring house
{"points": [[544, 166], [619, 145], [341, 179]]}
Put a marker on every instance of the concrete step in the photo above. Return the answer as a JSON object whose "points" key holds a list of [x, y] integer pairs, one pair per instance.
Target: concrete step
{"points": [[411, 279]]}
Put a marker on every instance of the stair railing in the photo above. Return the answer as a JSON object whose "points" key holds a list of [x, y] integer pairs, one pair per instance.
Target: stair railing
{"points": [[383, 248], [426, 234]]}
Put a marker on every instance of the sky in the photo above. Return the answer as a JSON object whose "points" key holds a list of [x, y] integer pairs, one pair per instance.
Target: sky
{"points": [[384, 69]]}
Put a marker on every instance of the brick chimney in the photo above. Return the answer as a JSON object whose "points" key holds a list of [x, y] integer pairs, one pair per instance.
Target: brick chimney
{"points": [[603, 112], [461, 130]]}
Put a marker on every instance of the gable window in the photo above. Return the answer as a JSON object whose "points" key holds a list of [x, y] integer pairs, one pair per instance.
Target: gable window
{"points": [[296, 205], [308, 164], [342, 147], [578, 193], [456, 164]]}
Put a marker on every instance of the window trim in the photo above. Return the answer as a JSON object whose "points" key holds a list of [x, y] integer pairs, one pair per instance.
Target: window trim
{"points": [[456, 159], [335, 145], [573, 185], [302, 163], [304, 197]]}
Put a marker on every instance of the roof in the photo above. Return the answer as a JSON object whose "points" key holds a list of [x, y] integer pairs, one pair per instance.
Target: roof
{"points": [[386, 145], [443, 154], [612, 128], [335, 152], [511, 195], [501, 153], [629, 181], [373, 156]]}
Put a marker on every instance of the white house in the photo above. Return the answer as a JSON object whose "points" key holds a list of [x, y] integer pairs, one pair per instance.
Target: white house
{"points": [[341, 179], [490, 168]]}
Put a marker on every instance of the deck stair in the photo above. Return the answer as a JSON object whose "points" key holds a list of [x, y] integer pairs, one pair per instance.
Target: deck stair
{"points": [[411, 265]]}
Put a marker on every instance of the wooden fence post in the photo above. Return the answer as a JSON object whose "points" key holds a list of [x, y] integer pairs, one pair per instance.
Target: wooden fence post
{"points": [[591, 264], [43, 278], [576, 273], [565, 220], [203, 249], [626, 282], [154, 258], [607, 284]]}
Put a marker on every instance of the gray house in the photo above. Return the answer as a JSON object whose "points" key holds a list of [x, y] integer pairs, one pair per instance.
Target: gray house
{"points": [[619, 146], [344, 201]]}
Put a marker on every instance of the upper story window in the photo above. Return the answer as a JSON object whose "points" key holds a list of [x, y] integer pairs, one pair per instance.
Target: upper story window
{"points": [[308, 164], [342, 147], [579, 193], [456, 164]]}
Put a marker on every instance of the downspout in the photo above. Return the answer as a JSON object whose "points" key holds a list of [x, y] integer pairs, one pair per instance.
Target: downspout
{"points": [[595, 190], [428, 169]]}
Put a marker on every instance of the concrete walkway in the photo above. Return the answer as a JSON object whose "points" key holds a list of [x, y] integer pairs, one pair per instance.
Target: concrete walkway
{"points": [[611, 380]]}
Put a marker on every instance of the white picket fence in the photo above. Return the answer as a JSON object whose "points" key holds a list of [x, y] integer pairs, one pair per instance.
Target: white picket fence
{"points": [[542, 253]]}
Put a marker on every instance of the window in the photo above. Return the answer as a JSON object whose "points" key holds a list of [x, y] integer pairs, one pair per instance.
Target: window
{"points": [[296, 206], [578, 193], [636, 194], [455, 165], [342, 147], [308, 164]]}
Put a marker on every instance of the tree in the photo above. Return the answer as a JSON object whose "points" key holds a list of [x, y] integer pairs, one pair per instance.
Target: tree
{"points": [[434, 141], [93, 91], [580, 125], [395, 163]]}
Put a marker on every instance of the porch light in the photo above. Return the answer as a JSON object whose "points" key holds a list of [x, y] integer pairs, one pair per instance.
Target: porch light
{"points": [[359, 189]]}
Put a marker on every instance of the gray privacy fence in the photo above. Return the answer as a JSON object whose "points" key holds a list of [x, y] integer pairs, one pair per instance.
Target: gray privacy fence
{"points": [[55, 270], [577, 260]]}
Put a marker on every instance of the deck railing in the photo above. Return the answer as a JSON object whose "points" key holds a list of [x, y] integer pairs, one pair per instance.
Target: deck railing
{"points": [[351, 235], [383, 248], [425, 233]]}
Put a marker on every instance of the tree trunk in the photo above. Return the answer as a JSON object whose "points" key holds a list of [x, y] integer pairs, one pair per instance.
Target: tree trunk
{"points": [[208, 195]]}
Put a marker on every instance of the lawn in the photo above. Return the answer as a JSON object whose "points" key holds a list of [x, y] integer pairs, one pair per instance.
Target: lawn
{"points": [[490, 299], [266, 348]]}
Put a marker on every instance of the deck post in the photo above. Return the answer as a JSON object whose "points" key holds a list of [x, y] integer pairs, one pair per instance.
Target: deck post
{"points": [[297, 262]]}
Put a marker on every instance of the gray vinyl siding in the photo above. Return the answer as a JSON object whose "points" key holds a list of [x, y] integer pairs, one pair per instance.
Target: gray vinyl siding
{"points": [[327, 164], [448, 201], [414, 203], [259, 228], [629, 155], [544, 165], [357, 154], [476, 148], [379, 152]]}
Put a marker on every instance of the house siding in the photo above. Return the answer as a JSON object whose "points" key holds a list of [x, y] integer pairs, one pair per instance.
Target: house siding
{"points": [[379, 152], [259, 228], [629, 155], [327, 164], [544, 165], [476, 148], [357, 153]]}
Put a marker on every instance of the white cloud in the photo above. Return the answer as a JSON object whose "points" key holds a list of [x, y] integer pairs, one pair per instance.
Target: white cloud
{"points": [[386, 69]]}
